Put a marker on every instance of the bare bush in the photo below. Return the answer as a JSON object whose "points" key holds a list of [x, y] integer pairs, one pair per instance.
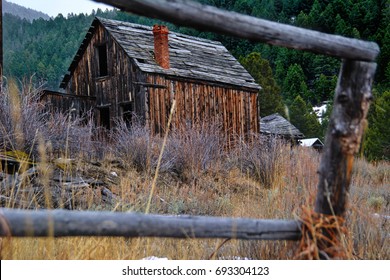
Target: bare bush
{"points": [[24, 123], [21, 119], [135, 145], [193, 150], [68, 135], [187, 153], [260, 158]]}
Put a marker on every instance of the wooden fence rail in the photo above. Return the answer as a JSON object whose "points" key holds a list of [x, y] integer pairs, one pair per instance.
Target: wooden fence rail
{"points": [[204, 17], [58, 223]]}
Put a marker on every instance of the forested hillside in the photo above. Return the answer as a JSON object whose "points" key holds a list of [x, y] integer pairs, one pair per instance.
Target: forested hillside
{"points": [[22, 12], [44, 49]]}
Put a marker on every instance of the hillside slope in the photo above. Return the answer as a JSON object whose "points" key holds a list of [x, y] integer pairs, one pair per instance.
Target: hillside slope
{"points": [[22, 12]]}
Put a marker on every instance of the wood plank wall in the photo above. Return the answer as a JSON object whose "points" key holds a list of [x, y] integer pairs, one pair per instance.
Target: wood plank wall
{"points": [[235, 109], [118, 87], [54, 101]]}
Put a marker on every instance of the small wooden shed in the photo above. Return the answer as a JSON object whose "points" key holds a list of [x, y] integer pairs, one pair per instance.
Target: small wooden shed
{"points": [[133, 69], [278, 126], [312, 142]]}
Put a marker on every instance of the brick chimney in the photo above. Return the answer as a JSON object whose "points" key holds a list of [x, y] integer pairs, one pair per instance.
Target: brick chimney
{"points": [[161, 48]]}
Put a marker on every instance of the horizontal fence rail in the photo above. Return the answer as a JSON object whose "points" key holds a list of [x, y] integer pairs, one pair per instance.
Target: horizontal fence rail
{"points": [[61, 223], [204, 17]]}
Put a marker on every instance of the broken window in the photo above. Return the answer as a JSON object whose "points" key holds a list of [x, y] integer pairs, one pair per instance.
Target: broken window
{"points": [[103, 64]]}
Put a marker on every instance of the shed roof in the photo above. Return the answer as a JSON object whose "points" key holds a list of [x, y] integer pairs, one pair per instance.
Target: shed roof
{"points": [[190, 57], [275, 124], [311, 142]]}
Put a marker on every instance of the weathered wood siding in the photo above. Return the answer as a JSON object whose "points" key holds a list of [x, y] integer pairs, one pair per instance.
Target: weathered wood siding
{"points": [[235, 108], [55, 101], [115, 89]]}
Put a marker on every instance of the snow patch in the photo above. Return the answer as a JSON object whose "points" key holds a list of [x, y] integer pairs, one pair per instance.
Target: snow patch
{"points": [[320, 111]]}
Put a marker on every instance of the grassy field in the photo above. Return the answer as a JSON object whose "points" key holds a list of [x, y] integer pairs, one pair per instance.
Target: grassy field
{"points": [[197, 176]]}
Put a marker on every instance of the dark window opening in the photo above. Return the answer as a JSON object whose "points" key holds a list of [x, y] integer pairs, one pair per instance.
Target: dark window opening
{"points": [[103, 65], [104, 118], [127, 114]]}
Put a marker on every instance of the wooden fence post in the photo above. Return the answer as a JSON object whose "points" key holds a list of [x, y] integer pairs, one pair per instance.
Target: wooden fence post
{"points": [[325, 226], [351, 103]]}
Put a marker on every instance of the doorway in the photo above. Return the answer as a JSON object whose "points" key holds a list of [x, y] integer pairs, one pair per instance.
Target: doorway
{"points": [[104, 118]]}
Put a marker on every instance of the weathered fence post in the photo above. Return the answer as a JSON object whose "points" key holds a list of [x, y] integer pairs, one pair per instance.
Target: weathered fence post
{"points": [[351, 103], [348, 121]]}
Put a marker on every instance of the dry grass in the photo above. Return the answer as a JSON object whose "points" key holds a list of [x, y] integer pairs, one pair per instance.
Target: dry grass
{"points": [[198, 177]]}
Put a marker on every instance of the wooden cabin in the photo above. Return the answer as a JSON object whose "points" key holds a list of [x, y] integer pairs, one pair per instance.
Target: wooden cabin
{"points": [[129, 69], [277, 126]]}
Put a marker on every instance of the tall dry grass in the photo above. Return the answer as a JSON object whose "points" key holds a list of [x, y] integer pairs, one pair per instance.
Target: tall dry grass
{"points": [[199, 176]]}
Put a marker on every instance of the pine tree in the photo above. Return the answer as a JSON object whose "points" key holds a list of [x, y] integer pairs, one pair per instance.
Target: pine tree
{"points": [[269, 96], [303, 117], [377, 142], [324, 87], [295, 84]]}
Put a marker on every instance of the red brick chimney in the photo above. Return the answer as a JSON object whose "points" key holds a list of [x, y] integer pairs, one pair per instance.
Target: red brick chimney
{"points": [[161, 48]]}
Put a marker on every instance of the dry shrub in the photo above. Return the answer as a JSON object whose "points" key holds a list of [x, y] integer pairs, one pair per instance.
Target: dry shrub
{"points": [[21, 119], [192, 151], [260, 158], [24, 122], [135, 145], [188, 153]]}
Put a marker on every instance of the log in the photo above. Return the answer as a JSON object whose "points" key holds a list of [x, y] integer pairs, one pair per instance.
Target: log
{"points": [[209, 18], [348, 120], [60, 223]]}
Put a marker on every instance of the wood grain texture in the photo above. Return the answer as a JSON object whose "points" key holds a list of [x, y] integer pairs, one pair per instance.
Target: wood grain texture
{"points": [[198, 102], [351, 103], [58, 223]]}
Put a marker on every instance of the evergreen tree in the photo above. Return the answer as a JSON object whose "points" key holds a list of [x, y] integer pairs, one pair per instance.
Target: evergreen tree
{"points": [[326, 119], [295, 84], [269, 96], [44, 49], [303, 117], [324, 87], [377, 142]]}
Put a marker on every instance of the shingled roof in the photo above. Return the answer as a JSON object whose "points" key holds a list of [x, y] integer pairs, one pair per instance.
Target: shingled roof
{"points": [[275, 124], [190, 57]]}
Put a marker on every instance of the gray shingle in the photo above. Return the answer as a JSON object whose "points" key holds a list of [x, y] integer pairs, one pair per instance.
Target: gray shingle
{"points": [[275, 124], [190, 57]]}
